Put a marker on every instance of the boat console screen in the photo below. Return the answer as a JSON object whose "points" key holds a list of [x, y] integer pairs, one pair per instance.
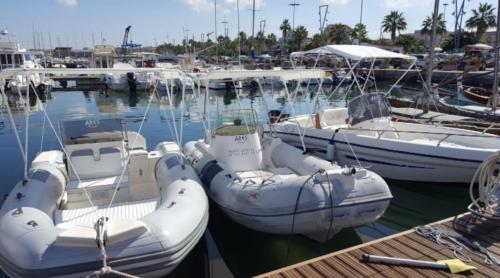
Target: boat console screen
{"points": [[368, 106], [91, 130]]}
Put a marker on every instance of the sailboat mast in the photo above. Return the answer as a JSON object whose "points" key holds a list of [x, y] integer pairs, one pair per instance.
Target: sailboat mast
{"points": [[239, 36], [494, 92], [430, 65], [216, 37]]}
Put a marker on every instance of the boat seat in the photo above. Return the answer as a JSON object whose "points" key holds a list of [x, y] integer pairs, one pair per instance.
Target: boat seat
{"points": [[333, 117], [100, 191], [89, 163], [86, 217], [303, 121]]}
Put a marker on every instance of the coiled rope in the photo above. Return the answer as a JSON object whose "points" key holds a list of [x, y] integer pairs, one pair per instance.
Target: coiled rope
{"points": [[460, 245], [487, 175]]}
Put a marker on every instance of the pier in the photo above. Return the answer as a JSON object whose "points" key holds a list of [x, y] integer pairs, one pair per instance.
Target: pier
{"points": [[476, 78], [407, 244]]}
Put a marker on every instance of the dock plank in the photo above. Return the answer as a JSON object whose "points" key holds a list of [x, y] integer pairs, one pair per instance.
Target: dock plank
{"points": [[407, 244]]}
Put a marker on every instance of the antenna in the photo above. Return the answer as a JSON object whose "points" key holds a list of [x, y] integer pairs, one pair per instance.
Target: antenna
{"points": [[294, 5], [322, 17], [262, 25]]}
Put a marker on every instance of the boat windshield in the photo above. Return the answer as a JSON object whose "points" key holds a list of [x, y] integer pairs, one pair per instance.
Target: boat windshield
{"points": [[236, 122], [368, 106], [91, 130]]}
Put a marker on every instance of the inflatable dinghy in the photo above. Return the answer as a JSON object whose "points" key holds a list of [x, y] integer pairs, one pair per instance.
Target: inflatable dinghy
{"points": [[270, 186], [149, 207]]}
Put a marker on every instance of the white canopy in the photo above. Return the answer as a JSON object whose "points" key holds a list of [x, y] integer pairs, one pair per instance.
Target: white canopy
{"points": [[358, 52], [480, 46], [295, 74]]}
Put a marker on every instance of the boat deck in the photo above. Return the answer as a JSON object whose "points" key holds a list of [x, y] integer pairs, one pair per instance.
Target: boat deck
{"points": [[407, 244], [430, 116]]}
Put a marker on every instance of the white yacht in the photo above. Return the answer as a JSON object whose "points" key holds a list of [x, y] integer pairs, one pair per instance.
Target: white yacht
{"points": [[13, 56]]}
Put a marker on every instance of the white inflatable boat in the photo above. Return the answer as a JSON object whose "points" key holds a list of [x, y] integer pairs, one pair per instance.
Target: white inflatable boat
{"points": [[270, 186], [120, 82], [152, 207]]}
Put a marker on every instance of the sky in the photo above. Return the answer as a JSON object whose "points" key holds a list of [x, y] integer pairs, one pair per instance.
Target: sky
{"points": [[83, 23]]}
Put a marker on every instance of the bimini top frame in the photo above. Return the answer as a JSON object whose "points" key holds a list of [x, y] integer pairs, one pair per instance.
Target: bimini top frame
{"points": [[355, 54]]}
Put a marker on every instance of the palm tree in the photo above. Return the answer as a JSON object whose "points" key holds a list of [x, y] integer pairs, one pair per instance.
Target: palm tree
{"points": [[300, 35], [285, 27], [482, 19], [427, 25], [394, 22], [271, 40]]}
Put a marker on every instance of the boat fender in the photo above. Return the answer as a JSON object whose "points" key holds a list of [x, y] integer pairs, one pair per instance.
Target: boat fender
{"points": [[209, 171], [330, 148]]}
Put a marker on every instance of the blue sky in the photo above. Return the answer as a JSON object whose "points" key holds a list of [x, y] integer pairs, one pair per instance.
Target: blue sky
{"points": [[72, 22]]}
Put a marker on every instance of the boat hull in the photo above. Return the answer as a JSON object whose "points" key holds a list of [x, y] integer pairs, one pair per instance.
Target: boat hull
{"points": [[392, 158]]}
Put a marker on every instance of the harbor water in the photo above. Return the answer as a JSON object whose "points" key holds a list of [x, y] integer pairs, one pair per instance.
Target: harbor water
{"points": [[245, 252]]}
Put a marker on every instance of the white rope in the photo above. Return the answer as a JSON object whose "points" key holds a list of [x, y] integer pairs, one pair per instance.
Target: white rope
{"points": [[12, 122], [487, 175], [59, 140], [105, 270], [133, 144], [43, 129], [292, 102], [169, 96], [352, 150]]}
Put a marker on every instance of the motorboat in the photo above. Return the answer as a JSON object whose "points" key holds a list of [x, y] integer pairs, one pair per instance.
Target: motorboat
{"points": [[120, 81], [102, 197], [471, 101], [13, 56], [364, 134], [477, 94], [267, 185]]}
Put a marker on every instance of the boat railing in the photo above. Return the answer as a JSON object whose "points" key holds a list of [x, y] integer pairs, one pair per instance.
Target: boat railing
{"points": [[380, 132]]}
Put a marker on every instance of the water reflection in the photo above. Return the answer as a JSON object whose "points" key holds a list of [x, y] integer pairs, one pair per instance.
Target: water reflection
{"points": [[245, 251]]}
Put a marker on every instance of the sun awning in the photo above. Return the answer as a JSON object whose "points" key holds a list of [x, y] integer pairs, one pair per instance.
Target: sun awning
{"points": [[479, 46], [358, 52]]}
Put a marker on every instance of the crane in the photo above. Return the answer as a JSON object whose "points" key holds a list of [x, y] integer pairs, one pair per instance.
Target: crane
{"points": [[125, 43]]}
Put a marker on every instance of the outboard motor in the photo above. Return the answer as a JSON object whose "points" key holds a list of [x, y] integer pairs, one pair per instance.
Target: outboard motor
{"points": [[132, 83], [276, 116]]}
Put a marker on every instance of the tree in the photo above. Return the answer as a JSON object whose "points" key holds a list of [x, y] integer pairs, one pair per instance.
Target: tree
{"points": [[410, 43], [271, 40], [300, 35], [394, 22], [260, 41], [244, 43], [465, 37], [482, 19], [339, 33], [427, 25], [285, 28], [317, 41], [359, 32]]}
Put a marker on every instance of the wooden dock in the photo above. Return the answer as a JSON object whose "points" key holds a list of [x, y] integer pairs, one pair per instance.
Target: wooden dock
{"points": [[408, 244]]}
